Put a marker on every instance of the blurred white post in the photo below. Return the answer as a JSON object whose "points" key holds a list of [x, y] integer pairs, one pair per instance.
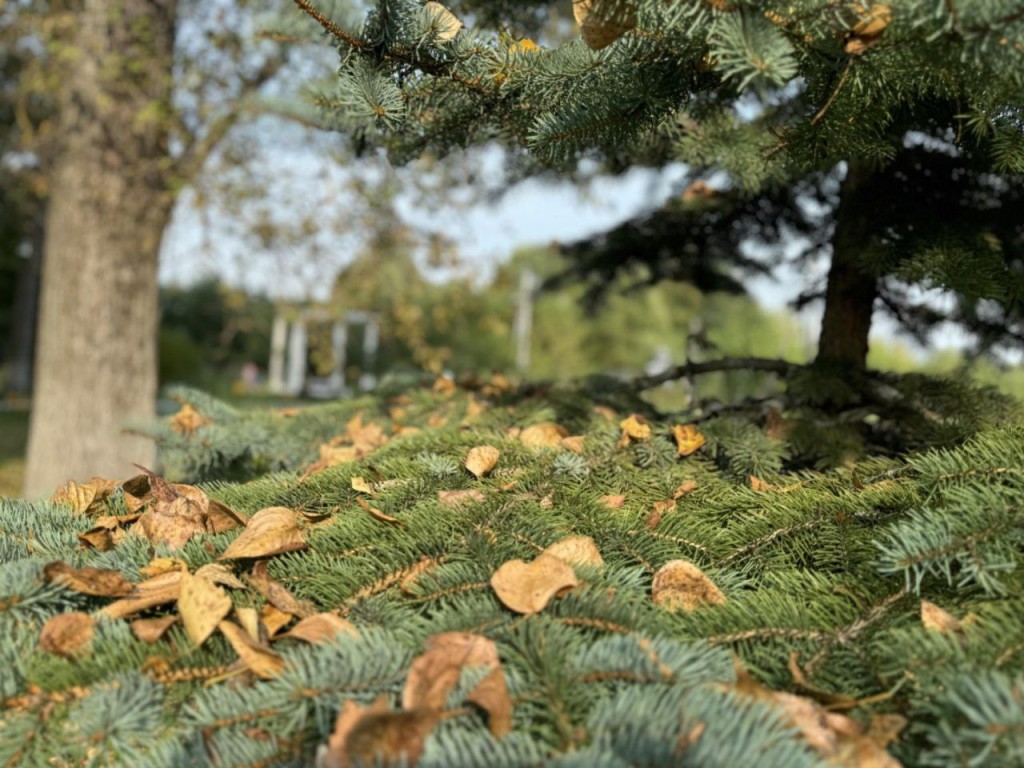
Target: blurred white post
{"points": [[524, 319], [371, 340], [298, 353], [339, 341], [278, 344]]}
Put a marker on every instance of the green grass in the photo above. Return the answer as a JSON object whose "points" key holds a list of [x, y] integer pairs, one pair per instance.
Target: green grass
{"points": [[13, 436]]}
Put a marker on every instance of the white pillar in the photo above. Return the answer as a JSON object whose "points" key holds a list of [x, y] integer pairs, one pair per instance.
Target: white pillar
{"points": [[278, 344], [524, 319], [298, 353], [339, 343]]}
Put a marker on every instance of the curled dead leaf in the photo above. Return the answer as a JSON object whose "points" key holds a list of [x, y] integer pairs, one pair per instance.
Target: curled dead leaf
{"points": [[684, 488], [202, 605], [658, 511], [376, 735], [634, 427], [359, 484], [98, 582], [321, 628], [602, 22], [576, 550], [67, 634], [271, 531], [688, 439], [84, 498], [178, 513], [452, 499], [528, 587], [187, 420], [681, 584], [276, 594], [574, 443], [612, 502], [544, 435], [159, 590], [936, 619], [274, 619], [151, 630], [482, 459], [376, 513], [219, 573], [260, 660], [161, 565]]}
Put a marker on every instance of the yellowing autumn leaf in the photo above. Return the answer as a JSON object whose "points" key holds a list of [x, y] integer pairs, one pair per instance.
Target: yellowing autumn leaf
{"points": [[376, 513], [602, 22], [98, 582], [376, 735], [545, 435], [151, 630], [159, 590], [187, 420], [260, 660], [481, 460], [936, 619], [574, 444], [688, 439], [67, 634], [201, 605], [658, 511], [526, 45], [681, 584], [576, 550], [612, 502], [270, 531], [276, 594], [635, 427], [84, 498], [321, 628], [359, 484], [528, 587]]}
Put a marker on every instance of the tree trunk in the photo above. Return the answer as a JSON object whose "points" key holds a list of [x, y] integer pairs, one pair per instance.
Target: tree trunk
{"points": [[96, 357], [852, 289], [25, 313]]}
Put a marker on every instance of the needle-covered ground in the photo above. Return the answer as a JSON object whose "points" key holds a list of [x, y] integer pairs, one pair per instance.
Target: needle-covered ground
{"points": [[460, 576]]}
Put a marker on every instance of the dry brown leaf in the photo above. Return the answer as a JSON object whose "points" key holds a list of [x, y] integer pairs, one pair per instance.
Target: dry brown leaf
{"points": [[249, 620], [605, 413], [202, 605], [219, 573], [435, 674], [375, 735], [612, 502], [681, 584], [873, 21], [444, 385], [332, 456], [84, 498], [760, 485], [260, 660], [482, 459], [178, 513], [321, 628], [161, 565], [444, 23], [451, 499], [98, 582], [688, 439], [634, 427], [151, 630], [684, 488], [274, 619], [359, 484], [67, 634], [159, 590], [365, 438], [101, 539], [574, 443], [576, 550], [545, 435], [658, 511], [699, 190], [271, 531], [602, 22], [278, 595], [376, 513], [220, 517], [938, 620], [528, 587], [187, 420]]}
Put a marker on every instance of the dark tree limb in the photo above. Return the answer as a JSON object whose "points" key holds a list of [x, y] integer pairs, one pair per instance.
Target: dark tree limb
{"points": [[768, 365]]}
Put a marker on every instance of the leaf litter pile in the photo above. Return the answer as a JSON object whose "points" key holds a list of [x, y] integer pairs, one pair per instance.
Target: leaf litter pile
{"points": [[454, 580]]}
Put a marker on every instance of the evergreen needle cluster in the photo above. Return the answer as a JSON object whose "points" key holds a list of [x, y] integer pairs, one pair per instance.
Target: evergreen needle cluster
{"points": [[886, 594]]}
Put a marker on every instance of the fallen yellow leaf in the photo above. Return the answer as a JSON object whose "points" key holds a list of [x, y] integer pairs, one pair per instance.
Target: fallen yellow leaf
{"points": [[482, 459]]}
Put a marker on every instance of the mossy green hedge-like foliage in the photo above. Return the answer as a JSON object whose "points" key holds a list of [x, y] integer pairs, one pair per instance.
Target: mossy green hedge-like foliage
{"points": [[824, 573]]}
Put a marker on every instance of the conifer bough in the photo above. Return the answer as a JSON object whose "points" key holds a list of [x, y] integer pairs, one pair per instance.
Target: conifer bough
{"points": [[887, 136]]}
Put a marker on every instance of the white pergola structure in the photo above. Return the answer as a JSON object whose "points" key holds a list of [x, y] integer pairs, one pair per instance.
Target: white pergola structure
{"points": [[289, 352]]}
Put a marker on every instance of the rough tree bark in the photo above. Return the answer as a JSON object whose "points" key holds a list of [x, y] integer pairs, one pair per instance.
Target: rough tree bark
{"points": [[96, 358], [852, 290]]}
